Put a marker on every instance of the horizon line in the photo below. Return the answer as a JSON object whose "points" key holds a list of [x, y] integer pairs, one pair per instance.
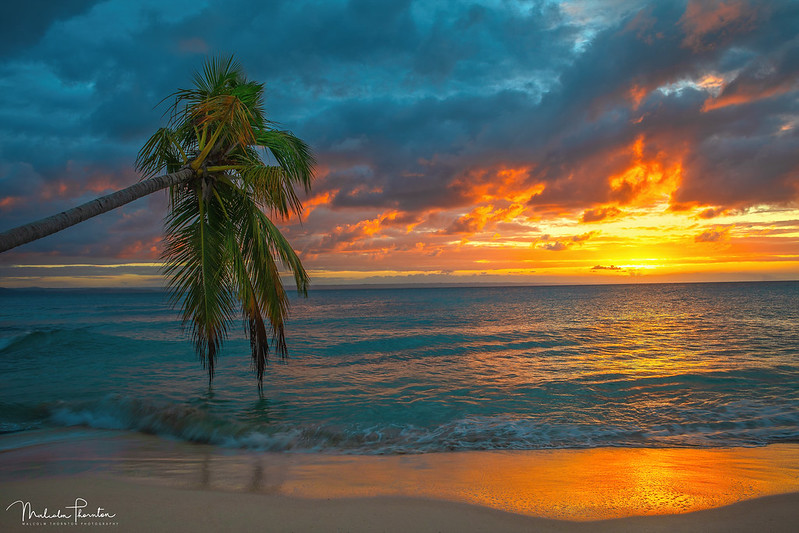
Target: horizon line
{"points": [[431, 285]]}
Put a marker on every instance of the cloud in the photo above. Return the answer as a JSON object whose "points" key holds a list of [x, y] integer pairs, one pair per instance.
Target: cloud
{"points": [[432, 123], [712, 212], [611, 268], [24, 23], [482, 216], [556, 246], [563, 243], [767, 77], [715, 234], [584, 236], [600, 213], [631, 271], [711, 23]]}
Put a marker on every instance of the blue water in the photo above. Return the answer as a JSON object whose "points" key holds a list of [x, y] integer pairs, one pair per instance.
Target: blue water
{"points": [[421, 370]]}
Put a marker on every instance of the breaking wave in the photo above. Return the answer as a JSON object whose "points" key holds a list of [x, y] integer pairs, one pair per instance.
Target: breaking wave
{"points": [[197, 425]]}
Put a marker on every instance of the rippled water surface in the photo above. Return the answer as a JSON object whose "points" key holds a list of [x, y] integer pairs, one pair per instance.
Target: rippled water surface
{"points": [[417, 370]]}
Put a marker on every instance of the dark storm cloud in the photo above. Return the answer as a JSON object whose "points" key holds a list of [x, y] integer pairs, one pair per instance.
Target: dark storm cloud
{"points": [[24, 23], [730, 153], [772, 74], [408, 103], [575, 132], [413, 151], [746, 169]]}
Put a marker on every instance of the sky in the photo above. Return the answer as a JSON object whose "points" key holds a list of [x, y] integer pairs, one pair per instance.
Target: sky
{"points": [[535, 142]]}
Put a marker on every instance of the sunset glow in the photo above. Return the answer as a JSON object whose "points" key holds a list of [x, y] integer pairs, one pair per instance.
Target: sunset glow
{"points": [[643, 142]]}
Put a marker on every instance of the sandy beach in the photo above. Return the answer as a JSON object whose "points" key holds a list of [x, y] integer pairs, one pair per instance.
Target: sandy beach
{"points": [[149, 484], [138, 507]]}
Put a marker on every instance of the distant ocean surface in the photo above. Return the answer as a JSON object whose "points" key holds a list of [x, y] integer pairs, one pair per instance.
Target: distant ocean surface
{"points": [[392, 371]]}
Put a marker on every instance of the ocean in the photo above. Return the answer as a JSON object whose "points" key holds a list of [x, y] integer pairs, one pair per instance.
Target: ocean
{"points": [[418, 370]]}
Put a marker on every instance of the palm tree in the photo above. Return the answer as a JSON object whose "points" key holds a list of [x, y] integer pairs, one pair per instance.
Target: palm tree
{"points": [[226, 164]]}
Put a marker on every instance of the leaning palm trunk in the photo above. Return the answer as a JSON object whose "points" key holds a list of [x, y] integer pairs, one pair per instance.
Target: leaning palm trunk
{"points": [[53, 224]]}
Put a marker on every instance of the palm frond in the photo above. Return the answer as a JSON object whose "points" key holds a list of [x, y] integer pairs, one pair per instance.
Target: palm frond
{"points": [[218, 76], [281, 247], [228, 116], [251, 309], [291, 153], [271, 187], [251, 94], [161, 152], [197, 265], [259, 278]]}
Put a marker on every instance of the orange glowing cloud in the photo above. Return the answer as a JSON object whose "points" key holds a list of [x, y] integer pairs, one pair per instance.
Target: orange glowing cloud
{"points": [[150, 249], [364, 234], [56, 189], [375, 225], [319, 200], [636, 95], [499, 183], [712, 83], [10, 201], [481, 216], [102, 183], [747, 94], [646, 181], [95, 184], [644, 172]]}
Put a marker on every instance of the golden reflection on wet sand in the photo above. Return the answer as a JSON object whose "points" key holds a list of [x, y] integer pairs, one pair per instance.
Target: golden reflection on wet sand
{"points": [[568, 484], [585, 484]]}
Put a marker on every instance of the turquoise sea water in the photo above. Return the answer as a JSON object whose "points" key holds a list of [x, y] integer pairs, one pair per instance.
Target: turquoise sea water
{"points": [[421, 370]]}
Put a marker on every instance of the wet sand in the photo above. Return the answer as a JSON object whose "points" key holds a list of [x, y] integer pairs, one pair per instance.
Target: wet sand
{"points": [[153, 484]]}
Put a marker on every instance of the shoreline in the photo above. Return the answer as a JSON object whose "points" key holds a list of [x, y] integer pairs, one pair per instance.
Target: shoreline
{"points": [[548, 490]]}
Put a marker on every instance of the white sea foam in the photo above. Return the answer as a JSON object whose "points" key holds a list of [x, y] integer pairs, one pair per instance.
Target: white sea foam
{"points": [[473, 433]]}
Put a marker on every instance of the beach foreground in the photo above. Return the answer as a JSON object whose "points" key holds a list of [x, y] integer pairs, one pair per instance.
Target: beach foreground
{"points": [[148, 483], [140, 507]]}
